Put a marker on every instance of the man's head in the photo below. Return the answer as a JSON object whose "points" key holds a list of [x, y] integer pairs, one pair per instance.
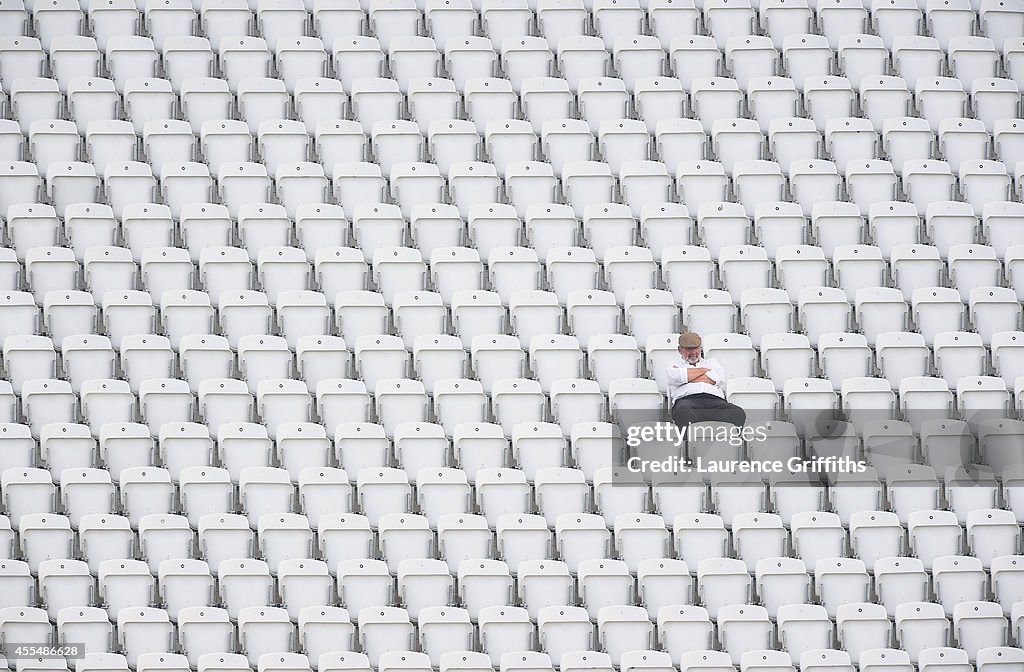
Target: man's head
{"points": [[689, 346]]}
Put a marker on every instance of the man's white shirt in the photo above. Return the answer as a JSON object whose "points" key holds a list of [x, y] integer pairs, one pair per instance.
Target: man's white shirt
{"points": [[678, 375]]}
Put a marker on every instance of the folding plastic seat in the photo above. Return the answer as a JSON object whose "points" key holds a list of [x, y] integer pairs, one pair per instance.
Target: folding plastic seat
{"points": [[511, 145], [46, 401], [477, 445], [223, 402], [432, 99], [43, 537], [806, 56], [145, 491], [505, 630], [320, 628], [543, 584], [206, 100], [334, 21], [282, 270], [843, 580], [185, 57], [813, 183], [124, 584], [298, 58], [285, 541], [964, 500], [963, 140], [226, 142], [714, 99], [937, 310], [338, 400], [416, 184], [206, 493], [53, 142], [722, 582], [262, 99], [88, 625], [360, 313], [938, 98], [580, 59], [955, 580], [27, 622], [562, 630], [281, 144], [148, 100], [915, 266], [264, 630], [364, 583], [983, 182], [242, 584], [185, 584], [35, 99], [84, 489], [243, 57], [461, 537], [934, 534], [393, 19], [621, 630], [997, 658], [412, 58], [684, 630], [404, 537], [753, 60], [23, 55], [302, 315], [744, 628], [864, 57], [177, 19], [875, 535], [110, 20], [466, 57], [382, 215], [356, 57], [737, 143], [164, 537], [972, 58], [921, 626], [223, 270], [977, 262], [851, 140], [833, 224], [828, 98]]}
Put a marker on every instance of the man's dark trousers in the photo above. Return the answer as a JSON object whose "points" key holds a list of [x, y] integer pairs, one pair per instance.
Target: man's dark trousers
{"points": [[706, 408]]}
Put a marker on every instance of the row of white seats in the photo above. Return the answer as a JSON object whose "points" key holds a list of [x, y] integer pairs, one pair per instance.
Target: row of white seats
{"points": [[592, 97], [704, 187], [610, 266], [437, 493], [186, 585], [580, 544], [991, 660], [168, 143], [594, 321], [561, 631], [536, 299], [626, 53], [779, 227], [723, 586], [281, 21]]}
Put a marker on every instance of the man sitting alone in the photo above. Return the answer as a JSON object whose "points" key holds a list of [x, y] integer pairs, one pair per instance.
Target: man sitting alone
{"points": [[695, 387]]}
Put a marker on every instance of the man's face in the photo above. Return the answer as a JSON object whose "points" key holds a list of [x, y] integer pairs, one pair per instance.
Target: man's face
{"points": [[691, 355]]}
